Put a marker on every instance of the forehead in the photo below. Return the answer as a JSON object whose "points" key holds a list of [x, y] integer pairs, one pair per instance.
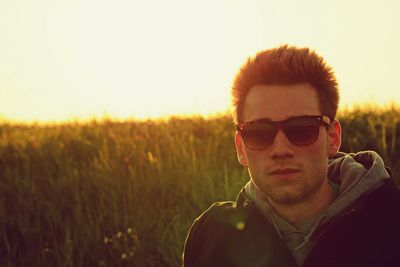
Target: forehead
{"points": [[279, 102]]}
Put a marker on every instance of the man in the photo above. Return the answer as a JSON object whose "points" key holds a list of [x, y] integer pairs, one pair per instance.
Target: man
{"points": [[306, 204]]}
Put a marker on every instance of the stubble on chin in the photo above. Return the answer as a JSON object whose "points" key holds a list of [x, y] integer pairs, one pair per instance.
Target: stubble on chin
{"points": [[284, 195], [285, 192]]}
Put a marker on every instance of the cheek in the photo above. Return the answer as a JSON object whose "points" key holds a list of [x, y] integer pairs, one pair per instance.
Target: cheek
{"points": [[315, 157], [256, 162], [319, 150]]}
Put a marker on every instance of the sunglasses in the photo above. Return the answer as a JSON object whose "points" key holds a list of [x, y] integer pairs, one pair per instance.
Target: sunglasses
{"points": [[300, 131]]}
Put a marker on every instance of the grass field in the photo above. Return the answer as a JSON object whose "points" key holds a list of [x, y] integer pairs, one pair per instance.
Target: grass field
{"points": [[115, 193]]}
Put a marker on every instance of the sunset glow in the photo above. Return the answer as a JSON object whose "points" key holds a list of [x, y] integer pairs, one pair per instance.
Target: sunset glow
{"points": [[63, 60]]}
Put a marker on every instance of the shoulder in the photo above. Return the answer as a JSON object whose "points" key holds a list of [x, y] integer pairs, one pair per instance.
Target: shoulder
{"points": [[366, 234], [234, 234], [225, 213], [207, 231], [381, 208], [387, 194], [223, 216]]}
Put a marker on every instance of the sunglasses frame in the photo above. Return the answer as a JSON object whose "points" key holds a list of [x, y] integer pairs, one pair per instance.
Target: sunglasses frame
{"points": [[280, 125]]}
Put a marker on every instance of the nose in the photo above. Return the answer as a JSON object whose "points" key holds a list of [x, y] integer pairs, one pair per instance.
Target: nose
{"points": [[281, 146]]}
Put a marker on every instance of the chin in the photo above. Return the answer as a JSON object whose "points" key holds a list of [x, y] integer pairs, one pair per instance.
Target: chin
{"points": [[287, 200], [286, 196]]}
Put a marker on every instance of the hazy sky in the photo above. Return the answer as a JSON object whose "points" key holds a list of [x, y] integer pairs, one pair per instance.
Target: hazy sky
{"points": [[68, 59]]}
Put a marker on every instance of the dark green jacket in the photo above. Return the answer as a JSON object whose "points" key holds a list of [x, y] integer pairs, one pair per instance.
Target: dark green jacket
{"points": [[237, 234]]}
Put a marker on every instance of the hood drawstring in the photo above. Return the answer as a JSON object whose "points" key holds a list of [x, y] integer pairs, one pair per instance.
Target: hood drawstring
{"points": [[308, 236]]}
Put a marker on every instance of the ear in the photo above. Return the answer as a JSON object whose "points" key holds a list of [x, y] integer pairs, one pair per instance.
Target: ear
{"points": [[241, 155], [334, 137]]}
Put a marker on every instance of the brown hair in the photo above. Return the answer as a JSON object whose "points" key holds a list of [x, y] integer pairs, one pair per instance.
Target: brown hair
{"points": [[286, 65]]}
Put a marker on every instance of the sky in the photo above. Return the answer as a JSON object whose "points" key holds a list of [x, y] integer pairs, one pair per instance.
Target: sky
{"points": [[77, 59]]}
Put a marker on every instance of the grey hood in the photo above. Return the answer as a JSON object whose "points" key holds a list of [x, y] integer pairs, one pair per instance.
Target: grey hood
{"points": [[357, 174]]}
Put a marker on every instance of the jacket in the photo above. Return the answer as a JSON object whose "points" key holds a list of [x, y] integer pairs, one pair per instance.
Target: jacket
{"points": [[366, 233]]}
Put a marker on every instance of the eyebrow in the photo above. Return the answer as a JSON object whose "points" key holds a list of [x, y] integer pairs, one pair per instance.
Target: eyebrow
{"points": [[288, 118]]}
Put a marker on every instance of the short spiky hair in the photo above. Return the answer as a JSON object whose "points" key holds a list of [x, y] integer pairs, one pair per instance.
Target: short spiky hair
{"points": [[286, 65]]}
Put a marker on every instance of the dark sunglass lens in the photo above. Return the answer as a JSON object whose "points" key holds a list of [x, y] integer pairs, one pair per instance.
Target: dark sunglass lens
{"points": [[302, 131], [258, 135]]}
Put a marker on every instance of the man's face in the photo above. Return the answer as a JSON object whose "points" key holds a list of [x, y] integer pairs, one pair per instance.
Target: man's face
{"points": [[287, 173]]}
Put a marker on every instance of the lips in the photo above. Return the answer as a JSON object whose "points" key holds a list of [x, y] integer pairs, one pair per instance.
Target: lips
{"points": [[284, 171]]}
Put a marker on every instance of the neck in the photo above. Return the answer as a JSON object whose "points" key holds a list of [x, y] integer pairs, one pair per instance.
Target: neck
{"points": [[298, 213]]}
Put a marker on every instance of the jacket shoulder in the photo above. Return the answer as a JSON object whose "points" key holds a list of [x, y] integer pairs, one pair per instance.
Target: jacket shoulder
{"points": [[208, 229], [234, 234], [366, 235], [222, 215]]}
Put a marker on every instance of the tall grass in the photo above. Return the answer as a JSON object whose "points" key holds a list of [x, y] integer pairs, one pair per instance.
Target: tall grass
{"points": [[125, 193]]}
